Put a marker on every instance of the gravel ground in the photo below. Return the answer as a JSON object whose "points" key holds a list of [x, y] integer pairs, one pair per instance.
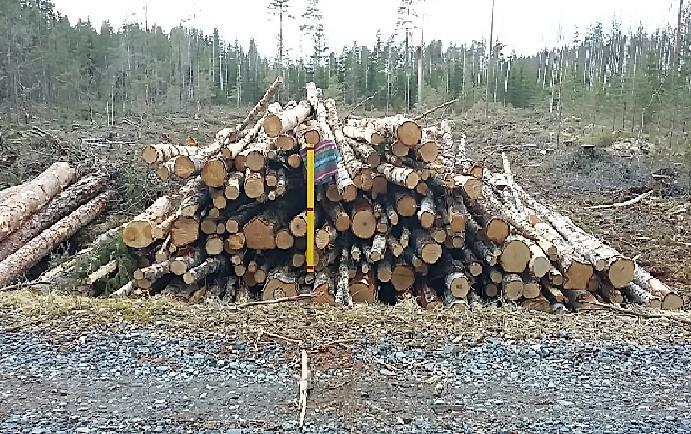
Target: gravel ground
{"points": [[73, 375]]}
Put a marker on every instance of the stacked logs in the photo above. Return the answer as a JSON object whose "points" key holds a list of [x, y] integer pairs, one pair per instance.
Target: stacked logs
{"points": [[404, 214], [37, 216]]}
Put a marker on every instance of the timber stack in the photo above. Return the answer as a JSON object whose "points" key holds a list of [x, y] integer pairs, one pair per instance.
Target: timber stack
{"points": [[39, 215], [400, 213]]}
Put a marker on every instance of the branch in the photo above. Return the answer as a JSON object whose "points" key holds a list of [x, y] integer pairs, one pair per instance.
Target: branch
{"points": [[633, 201], [358, 105], [433, 109], [278, 300]]}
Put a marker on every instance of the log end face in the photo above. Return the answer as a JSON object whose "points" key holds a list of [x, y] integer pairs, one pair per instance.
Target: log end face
{"points": [[515, 257], [409, 133], [138, 235], [621, 272], [272, 125], [183, 167], [577, 275]]}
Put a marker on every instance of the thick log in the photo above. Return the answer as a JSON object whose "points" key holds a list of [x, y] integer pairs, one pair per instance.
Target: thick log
{"points": [[515, 254], [180, 264], [426, 248], [406, 204], [254, 184], [185, 166], [184, 230], [363, 222], [512, 287], [32, 252], [324, 292], [325, 236], [362, 288], [402, 176], [670, 300], [27, 198], [402, 277], [637, 294], [209, 266], [366, 134], [60, 206], [139, 232], [286, 120], [214, 245], [426, 215], [162, 152]]}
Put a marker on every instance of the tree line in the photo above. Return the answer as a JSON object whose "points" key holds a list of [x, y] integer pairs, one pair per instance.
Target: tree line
{"points": [[630, 79]]}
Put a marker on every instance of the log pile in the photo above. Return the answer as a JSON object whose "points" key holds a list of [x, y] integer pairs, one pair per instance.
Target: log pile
{"points": [[37, 216], [405, 215]]}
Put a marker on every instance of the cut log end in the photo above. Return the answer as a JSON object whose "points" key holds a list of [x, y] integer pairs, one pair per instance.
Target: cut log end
{"points": [[272, 125], [621, 272], [409, 133]]}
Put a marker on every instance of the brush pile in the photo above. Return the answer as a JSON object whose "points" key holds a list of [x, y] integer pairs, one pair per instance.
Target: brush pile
{"points": [[400, 212]]}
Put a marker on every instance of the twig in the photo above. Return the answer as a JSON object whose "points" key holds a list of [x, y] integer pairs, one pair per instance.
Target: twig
{"points": [[629, 202], [433, 109], [277, 336], [23, 285], [278, 300], [641, 314], [358, 105], [304, 383]]}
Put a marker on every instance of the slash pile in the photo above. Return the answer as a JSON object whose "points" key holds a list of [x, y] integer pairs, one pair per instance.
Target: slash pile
{"points": [[401, 212]]}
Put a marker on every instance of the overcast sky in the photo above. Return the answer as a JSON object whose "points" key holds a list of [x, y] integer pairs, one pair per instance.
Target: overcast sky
{"points": [[524, 25]]}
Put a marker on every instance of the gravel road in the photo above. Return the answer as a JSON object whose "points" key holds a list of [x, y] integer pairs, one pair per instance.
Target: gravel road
{"points": [[134, 378]]}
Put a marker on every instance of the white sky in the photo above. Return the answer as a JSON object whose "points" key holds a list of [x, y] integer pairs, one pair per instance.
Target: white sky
{"points": [[524, 25]]}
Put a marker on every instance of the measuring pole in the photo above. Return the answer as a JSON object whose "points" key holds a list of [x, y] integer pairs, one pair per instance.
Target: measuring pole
{"points": [[310, 208]]}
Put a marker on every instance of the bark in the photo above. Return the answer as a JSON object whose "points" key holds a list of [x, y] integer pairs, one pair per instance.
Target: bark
{"points": [[378, 248], [32, 252], [637, 294], [342, 284], [231, 151], [29, 197], [60, 206], [194, 196]]}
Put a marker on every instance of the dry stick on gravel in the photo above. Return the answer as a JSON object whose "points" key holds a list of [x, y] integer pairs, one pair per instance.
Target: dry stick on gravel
{"points": [[304, 385], [629, 202], [278, 300]]}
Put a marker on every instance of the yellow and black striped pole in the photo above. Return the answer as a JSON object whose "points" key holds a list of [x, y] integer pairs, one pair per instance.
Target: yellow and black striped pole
{"points": [[310, 208]]}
